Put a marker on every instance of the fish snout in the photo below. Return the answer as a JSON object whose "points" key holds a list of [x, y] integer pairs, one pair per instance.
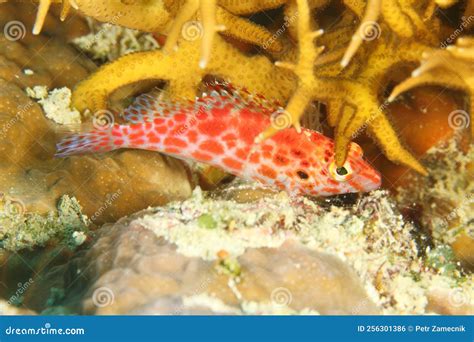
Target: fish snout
{"points": [[370, 179]]}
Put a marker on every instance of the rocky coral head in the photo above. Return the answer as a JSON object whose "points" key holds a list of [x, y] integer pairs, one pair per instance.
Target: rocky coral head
{"points": [[356, 175]]}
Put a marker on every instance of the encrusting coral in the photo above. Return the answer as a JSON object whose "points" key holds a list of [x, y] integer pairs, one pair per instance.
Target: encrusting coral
{"points": [[401, 33], [20, 230]]}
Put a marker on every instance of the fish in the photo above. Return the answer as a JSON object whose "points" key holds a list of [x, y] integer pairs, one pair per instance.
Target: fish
{"points": [[222, 128]]}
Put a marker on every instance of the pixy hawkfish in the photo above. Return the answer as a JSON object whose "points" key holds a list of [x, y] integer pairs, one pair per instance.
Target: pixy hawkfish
{"points": [[221, 128]]}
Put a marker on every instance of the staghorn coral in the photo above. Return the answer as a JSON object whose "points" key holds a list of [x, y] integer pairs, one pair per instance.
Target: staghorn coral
{"points": [[453, 67]]}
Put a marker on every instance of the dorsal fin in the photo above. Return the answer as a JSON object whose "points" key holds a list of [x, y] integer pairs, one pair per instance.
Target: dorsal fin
{"points": [[148, 106], [242, 97]]}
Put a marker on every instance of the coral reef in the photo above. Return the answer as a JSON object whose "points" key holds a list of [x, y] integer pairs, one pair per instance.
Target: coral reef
{"points": [[188, 283], [262, 254], [240, 248]]}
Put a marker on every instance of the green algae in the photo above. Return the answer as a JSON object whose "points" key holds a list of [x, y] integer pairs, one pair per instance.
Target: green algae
{"points": [[230, 266], [23, 230], [56, 295], [443, 260], [207, 221]]}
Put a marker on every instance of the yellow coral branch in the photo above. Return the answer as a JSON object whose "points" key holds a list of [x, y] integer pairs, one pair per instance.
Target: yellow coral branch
{"points": [[185, 14], [250, 6], [209, 26], [154, 16], [181, 70], [365, 29], [148, 16], [66, 8], [208, 13], [303, 69], [247, 31], [41, 15]]}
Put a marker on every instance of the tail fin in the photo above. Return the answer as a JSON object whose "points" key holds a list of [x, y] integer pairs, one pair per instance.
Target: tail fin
{"points": [[96, 141]]}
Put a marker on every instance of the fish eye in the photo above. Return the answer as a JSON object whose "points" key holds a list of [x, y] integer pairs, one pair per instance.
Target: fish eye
{"points": [[340, 174], [302, 175], [341, 171]]}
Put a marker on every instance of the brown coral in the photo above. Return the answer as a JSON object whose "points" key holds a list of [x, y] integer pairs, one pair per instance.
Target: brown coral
{"points": [[27, 140]]}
